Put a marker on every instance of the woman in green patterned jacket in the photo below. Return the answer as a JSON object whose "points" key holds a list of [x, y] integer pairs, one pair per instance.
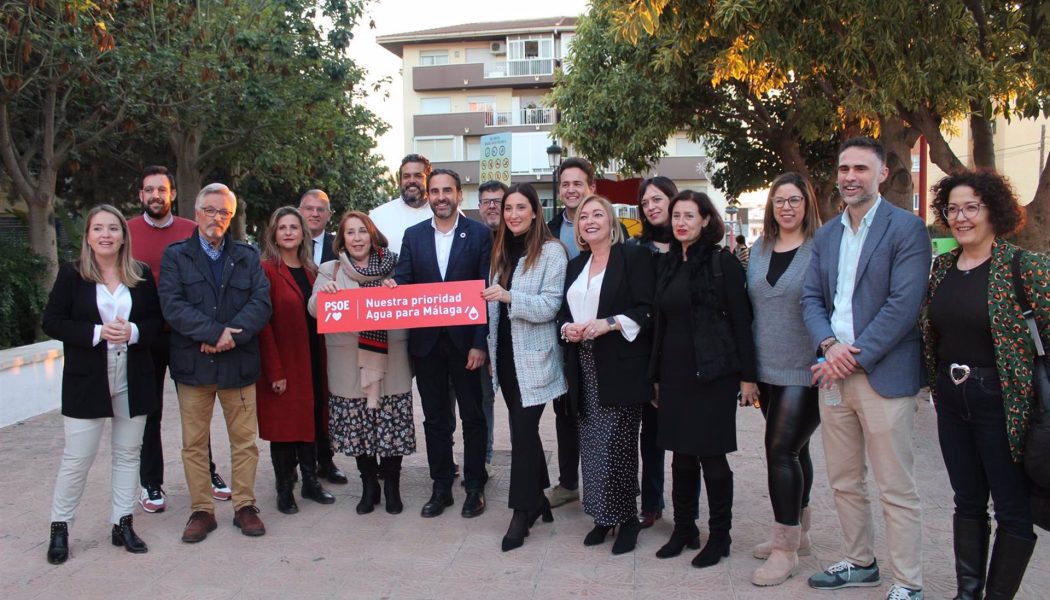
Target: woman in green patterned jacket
{"points": [[979, 358]]}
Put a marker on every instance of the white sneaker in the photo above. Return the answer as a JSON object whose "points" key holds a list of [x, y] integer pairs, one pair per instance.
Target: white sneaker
{"points": [[152, 499], [219, 489]]}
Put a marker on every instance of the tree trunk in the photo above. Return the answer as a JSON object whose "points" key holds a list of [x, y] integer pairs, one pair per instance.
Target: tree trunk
{"points": [[186, 146], [929, 125], [983, 141], [897, 139], [42, 238], [1036, 234]]}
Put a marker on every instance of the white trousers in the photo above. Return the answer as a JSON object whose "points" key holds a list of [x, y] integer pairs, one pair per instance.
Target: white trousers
{"points": [[82, 437]]}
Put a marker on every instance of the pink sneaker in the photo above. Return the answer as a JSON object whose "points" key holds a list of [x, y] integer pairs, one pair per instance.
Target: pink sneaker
{"points": [[152, 499], [219, 489]]}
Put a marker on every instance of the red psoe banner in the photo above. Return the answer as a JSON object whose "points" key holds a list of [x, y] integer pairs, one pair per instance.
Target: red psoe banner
{"points": [[404, 307]]}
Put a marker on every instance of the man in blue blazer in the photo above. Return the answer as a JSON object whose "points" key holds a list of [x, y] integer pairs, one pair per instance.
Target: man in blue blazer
{"points": [[448, 247], [861, 302]]}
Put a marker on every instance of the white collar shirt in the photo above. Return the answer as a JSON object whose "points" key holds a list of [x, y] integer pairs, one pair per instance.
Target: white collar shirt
{"points": [[318, 248], [110, 306], [849, 260], [443, 244], [583, 297]]}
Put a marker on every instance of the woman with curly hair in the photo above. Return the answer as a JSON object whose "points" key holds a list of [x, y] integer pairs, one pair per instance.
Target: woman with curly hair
{"points": [[979, 357]]}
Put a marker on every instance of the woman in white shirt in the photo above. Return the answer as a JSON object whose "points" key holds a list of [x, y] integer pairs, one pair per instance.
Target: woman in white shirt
{"points": [[105, 310], [605, 323]]}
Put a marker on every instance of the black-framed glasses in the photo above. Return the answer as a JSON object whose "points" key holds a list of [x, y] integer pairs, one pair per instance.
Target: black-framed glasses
{"points": [[792, 201], [490, 202], [211, 213], [970, 211]]}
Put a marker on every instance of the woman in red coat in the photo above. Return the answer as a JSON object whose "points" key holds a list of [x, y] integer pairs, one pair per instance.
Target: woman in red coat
{"points": [[292, 377]]}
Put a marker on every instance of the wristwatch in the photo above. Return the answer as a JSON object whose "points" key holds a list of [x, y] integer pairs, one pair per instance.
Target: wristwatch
{"points": [[612, 323]]}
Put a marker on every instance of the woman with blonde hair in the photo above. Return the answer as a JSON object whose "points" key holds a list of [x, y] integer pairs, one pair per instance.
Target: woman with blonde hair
{"points": [[292, 377], [105, 311], [369, 376]]}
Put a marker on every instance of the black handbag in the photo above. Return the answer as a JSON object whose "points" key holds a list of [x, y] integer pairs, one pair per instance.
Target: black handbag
{"points": [[1037, 442]]}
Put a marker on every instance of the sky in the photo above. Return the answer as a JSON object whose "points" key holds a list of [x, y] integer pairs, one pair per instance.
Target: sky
{"points": [[399, 16]]}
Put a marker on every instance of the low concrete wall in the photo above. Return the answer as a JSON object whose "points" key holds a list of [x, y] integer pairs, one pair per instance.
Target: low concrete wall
{"points": [[30, 381]]}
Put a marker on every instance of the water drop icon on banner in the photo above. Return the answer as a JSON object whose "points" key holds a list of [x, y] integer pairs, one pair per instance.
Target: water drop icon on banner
{"points": [[473, 313]]}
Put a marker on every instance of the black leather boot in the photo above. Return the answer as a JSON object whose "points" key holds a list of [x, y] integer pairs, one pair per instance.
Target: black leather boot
{"points": [[627, 536], [311, 489], [390, 470], [970, 538], [369, 469], [124, 535], [720, 520], [684, 479], [1010, 555], [283, 456], [58, 548]]}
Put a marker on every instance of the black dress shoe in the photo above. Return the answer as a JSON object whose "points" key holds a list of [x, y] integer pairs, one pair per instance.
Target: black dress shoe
{"points": [[124, 535], [597, 535], [474, 505], [517, 532], [58, 549], [327, 470], [437, 504]]}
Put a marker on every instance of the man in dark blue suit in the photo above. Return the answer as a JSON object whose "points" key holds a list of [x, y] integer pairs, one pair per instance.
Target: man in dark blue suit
{"points": [[448, 247]]}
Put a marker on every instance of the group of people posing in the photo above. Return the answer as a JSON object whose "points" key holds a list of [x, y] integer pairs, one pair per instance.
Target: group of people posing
{"points": [[642, 346]]}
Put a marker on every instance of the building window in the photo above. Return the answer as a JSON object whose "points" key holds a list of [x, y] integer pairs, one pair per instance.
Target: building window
{"points": [[481, 103], [437, 149], [530, 55], [687, 147], [915, 163], [529, 152], [429, 58], [435, 106]]}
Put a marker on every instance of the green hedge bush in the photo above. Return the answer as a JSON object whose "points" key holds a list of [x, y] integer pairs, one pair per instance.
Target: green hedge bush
{"points": [[21, 296]]}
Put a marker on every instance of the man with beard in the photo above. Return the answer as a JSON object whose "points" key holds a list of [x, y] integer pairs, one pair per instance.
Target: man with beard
{"points": [[490, 206], [152, 232], [861, 302], [394, 217], [448, 247]]}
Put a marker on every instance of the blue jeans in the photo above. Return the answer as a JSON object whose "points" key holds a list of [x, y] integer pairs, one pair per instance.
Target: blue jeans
{"points": [[971, 425]]}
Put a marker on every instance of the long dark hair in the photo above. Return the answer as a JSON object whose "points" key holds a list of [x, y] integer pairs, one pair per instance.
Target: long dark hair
{"points": [[650, 232], [536, 236], [713, 233]]}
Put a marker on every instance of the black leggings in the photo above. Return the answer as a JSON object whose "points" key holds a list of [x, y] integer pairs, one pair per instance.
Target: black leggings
{"points": [[792, 415]]}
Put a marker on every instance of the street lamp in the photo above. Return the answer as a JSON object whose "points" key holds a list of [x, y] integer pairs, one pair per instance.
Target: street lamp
{"points": [[554, 159]]}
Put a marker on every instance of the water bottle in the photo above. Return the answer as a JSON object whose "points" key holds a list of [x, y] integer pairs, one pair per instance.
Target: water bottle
{"points": [[833, 396]]}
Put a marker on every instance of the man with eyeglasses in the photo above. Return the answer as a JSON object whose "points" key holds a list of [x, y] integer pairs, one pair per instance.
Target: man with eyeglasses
{"points": [[153, 231], [216, 298], [860, 303]]}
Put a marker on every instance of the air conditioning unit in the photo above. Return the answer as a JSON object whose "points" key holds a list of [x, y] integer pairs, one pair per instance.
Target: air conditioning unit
{"points": [[498, 47]]}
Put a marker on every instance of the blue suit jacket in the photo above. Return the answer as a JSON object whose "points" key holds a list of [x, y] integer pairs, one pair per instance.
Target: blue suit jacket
{"points": [[891, 282], [469, 259]]}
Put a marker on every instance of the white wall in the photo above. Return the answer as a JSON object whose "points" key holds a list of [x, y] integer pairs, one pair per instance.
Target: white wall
{"points": [[30, 381]]}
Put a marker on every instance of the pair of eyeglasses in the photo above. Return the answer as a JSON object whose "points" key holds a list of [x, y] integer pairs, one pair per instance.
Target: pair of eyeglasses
{"points": [[213, 212], [792, 201], [491, 202], [969, 211]]}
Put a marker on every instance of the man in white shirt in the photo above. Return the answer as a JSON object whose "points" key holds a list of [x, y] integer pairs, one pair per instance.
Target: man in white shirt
{"points": [[394, 217], [317, 210]]}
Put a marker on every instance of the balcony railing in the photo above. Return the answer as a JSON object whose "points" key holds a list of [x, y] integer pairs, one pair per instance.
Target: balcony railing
{"points": [[520, 67], [524, 116]]}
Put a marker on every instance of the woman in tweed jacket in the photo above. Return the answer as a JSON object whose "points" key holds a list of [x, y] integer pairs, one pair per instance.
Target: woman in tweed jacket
{"points": [[979, 359], [528, 273]]}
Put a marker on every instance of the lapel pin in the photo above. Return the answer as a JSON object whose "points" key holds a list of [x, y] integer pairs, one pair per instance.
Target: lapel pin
{"points": [[462, 235]]}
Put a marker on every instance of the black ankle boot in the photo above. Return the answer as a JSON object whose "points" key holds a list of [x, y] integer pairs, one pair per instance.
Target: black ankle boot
{"points": [[58, 549], [124, 535], [627, 536], [518, 530], [283, 456], [311, 489], [597, 535], [390, 470], [716, 547], [683, 536], [544, 510], [970, 539]]}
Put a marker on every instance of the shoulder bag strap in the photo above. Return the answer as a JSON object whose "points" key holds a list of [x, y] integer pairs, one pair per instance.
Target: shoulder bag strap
{"points": [[1026, 307]]}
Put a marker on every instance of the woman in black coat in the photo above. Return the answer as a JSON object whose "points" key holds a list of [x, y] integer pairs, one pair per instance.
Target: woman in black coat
{"points": [[106, 312], [703, 357], [605, 321]]}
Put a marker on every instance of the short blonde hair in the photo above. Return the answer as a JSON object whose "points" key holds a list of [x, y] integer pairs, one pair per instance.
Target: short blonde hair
{"points": [[614, 224], [129, 269]]}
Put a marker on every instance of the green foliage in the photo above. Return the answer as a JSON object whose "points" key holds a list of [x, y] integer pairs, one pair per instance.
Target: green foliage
{"points": [[21, 296]]}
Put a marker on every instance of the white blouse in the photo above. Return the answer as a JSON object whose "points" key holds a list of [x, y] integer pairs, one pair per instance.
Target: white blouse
{"points": [[110, 306], [583, 296]]}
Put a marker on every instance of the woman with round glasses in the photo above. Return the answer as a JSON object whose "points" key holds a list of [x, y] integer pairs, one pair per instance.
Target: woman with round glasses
{"points": [[979, 356], [779, 262]]}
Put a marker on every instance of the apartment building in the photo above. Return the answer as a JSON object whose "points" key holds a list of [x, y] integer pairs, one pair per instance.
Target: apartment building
{"points": [[466, 81]]}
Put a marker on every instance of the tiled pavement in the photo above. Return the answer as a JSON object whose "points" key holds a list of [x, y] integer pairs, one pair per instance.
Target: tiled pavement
{"points": [[331, 552]]}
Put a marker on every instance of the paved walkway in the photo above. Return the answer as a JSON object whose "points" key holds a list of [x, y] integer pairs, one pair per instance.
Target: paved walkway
{"points": [[331, 552]]}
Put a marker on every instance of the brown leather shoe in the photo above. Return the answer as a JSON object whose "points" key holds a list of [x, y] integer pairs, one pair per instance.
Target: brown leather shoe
{"points": [[197, 528], [247, 519], [646, 518]]}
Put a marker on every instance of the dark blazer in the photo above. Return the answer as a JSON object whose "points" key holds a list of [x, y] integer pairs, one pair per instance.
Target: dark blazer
{"points": [[468, 260], [622, 366], [892, 275], [198, 311], [327, 253], [71, 315]]}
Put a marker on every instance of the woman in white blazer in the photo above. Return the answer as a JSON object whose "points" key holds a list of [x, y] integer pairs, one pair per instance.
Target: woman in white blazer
{"points": [[527, 275]]}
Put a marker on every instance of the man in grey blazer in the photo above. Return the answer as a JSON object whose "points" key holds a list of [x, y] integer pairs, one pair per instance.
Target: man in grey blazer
{"points": [[861, 304]]}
